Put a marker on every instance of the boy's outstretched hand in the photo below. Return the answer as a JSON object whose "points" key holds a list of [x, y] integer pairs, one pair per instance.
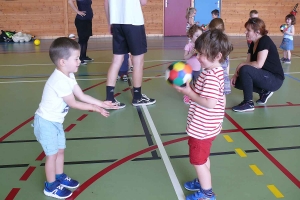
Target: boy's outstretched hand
{"points": [[109, 105], [100, 110]]}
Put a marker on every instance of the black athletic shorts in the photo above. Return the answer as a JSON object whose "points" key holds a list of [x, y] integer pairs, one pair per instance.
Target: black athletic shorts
{"points": [[128, 38]]}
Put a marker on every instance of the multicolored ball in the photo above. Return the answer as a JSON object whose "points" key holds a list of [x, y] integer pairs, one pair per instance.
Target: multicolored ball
{"points": [[179, 73]]}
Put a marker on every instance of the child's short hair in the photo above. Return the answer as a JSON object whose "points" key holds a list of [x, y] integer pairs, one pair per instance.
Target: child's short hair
{"points": [[257, 24], [189, 11], [215, 12], [253, 12], [61, 49], [216, 23], [213, 42], [292, 17], [193, 29]]}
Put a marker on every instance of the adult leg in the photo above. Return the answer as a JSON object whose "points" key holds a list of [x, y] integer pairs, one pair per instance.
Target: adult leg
{"points": [[83, 41]]}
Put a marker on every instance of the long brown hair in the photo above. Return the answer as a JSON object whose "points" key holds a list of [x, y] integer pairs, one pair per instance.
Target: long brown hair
{"points": [[216, 23], [258, 25]]}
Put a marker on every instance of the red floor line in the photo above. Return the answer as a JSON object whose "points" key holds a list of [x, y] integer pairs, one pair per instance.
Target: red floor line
{"points": [[16, 128], [12, 194], [82, 117], [41, 156], [265, 152], [230, 131], [116, 164], [27, 173], [158, 65], [117, 94], [93, 86], [149, 79], [70, 127], [289, 103], [126, 89]]}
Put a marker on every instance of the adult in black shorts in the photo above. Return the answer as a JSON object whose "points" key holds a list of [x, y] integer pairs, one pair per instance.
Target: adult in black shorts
{"points": [[262, 72], [127, 27], [83, 23]]}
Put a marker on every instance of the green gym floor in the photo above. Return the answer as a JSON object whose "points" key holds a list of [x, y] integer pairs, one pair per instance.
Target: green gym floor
{"points": [[141, 153]]}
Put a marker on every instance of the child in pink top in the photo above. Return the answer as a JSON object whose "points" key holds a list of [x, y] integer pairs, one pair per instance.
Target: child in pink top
{"points": [[190, 54]]}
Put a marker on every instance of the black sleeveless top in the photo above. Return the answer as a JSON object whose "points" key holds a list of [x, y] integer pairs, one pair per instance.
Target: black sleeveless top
{"points": [[85, 5]]}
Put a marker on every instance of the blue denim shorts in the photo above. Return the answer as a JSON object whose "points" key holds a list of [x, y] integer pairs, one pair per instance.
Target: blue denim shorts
{"points": [[49, 134]]}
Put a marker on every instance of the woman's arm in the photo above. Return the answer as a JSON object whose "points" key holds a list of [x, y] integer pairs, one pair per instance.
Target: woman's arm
{"points": [[259, 63], [71, 3]]}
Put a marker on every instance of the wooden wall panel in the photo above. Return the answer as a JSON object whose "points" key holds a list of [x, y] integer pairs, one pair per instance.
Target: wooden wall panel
{"points": [[45, 18]]}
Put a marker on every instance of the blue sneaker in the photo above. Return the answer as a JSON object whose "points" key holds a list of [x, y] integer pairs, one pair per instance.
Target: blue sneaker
{"points": [[193, 185], [244, 106], [200, 196], [57, 191], [68, 182]]}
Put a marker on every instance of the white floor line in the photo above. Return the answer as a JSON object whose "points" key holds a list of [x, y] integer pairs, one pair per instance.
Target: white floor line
{"points": [[166, 160]]}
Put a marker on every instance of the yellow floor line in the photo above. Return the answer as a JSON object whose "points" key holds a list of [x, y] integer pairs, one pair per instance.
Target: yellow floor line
{"points": [[228, 138], [275, 191], [256, 170], [241, 152]]}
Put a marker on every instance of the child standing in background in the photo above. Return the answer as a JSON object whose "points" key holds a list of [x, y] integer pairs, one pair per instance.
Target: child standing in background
{"points": [[288, 40], [252, 14], [190, 15], [218, 23], [215, 13], [190, 55], [206, 111]]}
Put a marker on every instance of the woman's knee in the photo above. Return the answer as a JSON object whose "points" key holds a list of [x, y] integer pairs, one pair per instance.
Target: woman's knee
{"points": [[246, 69]]}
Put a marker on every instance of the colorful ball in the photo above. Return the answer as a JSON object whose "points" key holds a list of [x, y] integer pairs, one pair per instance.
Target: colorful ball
{"points": [[179, 73], [283, 27], [37, 42]]}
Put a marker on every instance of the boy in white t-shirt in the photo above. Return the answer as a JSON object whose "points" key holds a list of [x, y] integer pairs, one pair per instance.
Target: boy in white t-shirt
{"points": [[58, 96]]}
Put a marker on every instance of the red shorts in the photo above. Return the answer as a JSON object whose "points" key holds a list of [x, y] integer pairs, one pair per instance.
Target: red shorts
{"points": [[199, 150]]}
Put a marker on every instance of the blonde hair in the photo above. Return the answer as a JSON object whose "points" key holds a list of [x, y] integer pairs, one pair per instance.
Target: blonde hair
{"points": [[189, 11], [217, 23]]}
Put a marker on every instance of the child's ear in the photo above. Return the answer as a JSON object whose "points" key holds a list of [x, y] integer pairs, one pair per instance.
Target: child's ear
{"points": [[219, 56], [61, 62]]}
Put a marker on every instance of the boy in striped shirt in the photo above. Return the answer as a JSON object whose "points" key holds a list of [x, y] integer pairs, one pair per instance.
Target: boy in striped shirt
{"points": [[206, 112]]}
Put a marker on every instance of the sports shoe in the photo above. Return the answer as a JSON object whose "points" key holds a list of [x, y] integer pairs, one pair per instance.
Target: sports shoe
{"points": [[68, 182], [282, 59], [193, 185], [124, 78], [244, 106], [263, 97], [186, 99], [88, 59], [200, 196], [83, 62], [121, 105], [144, 100], [287, 61], [57, 191], [130, 69]]}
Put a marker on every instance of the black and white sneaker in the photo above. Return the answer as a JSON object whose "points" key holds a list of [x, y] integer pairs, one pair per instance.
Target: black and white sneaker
{"points": [[121, 105], [82, 62], [263, 97], [88, 59], [244, 106], [144, 100]]}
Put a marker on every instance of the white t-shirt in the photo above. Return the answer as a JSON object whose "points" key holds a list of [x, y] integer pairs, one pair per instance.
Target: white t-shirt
{"points": [[126, 12], [52, 106]]}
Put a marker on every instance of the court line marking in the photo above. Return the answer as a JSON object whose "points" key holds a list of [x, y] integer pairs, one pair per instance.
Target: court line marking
{"points": [[275, 191], [240, 152], [164, 156], [256, 170], [228, 138], [104, 78]]}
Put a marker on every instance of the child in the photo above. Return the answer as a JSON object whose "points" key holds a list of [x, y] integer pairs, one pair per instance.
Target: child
{"points": [[190, 15], [206, 112], [190, 55], [287, 43], [215, 13], [252, 14], [218, 23], [123, 72], [58, 96]]}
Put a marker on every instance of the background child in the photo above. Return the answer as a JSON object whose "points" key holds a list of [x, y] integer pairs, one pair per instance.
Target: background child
{"points": [[190, 54], [58, 97], [123, 72], [206, 112], [215, 13], [288, 40], [190, 15], [252, 14], [218, 23]]}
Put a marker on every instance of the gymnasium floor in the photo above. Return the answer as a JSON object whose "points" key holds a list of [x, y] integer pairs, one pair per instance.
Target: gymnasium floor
{"points": [[142, 153]]}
